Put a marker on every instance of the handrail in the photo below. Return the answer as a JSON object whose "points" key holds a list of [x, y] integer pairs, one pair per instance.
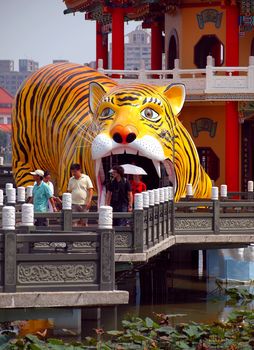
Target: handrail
{"points": [[209, 81]]}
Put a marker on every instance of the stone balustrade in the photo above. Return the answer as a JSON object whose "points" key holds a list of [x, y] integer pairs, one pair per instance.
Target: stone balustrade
{"points": [[213, 83]]}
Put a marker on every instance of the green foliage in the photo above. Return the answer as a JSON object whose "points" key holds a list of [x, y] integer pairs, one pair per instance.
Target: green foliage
{"points": [[237, 333], [242, 296]]}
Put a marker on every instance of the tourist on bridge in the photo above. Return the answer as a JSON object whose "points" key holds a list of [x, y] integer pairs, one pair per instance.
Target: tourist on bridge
{"points": [[57, 200], [137, 185], [41, 195], [81, 188], [119, 195]]}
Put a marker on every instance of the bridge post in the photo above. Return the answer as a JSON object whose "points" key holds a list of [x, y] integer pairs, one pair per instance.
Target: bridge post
{"points": [[153, 225], [216, 216], [67, 220], [172, 206], [138, 216], [67, 212], [107, 259], [250, 190], [10, 261]]}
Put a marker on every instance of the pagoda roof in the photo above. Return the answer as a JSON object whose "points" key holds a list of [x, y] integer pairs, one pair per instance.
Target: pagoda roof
{"points": [[5, 128], [147, 11], [6, 100], [135, 9]]}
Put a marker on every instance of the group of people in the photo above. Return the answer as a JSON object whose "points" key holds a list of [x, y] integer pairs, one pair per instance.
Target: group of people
{"points": [[120, 192]]}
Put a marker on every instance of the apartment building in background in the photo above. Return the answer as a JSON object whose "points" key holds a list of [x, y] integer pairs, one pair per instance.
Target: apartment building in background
{"points": [[11, 79], [137, 48]]}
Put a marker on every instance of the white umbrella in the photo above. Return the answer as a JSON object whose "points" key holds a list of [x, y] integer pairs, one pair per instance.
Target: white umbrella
{"points": [[132, 169]]}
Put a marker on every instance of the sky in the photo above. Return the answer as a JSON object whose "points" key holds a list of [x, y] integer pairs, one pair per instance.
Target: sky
{"points": [[38, 30]]}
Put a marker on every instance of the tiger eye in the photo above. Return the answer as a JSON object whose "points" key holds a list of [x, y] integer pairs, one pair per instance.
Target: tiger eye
{"points": [[105, 112], [148, 113]]}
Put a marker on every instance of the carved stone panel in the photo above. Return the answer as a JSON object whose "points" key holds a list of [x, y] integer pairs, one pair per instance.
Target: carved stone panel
{"points": [[30, 273], [123, 240], [198, 224], [236, 224], [88, 244]]}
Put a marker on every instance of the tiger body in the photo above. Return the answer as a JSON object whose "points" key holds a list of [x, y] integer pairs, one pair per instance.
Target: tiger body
{"points": [[68, 113]]}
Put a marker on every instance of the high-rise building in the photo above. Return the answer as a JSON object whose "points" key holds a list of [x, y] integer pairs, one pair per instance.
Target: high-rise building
{"points": [[28, 65], [11, 79], [6, 65], [137, 49]]}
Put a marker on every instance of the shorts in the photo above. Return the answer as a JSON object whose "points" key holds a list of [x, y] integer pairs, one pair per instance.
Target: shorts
{"points": [[80, 209]]}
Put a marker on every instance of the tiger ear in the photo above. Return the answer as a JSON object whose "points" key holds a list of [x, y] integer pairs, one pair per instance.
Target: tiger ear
{"points": [[176, 96], [96, 92]]}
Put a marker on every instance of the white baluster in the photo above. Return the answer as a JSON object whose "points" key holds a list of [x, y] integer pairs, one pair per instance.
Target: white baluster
{"points": [[8, 185], [8, 218], [161, 195], [11, 195], [170, 193], [138, 201], [250, 186], [67, 201], [166, 194], [27, 214], [21, 194], [189, 190], [29, 191], [215, 193], [1, 160], [156, 196], [151, 197], [223, 191], [105, 217], [145, 195], [1, 197]]}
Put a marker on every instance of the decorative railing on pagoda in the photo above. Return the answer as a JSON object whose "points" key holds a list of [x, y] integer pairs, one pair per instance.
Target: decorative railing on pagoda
{"points": [[212, 83]]}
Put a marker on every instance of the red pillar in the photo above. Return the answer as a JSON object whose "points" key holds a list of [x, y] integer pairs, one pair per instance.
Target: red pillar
{"points": [[99, 43], [101, 46], [156, 46], [117, 38], [232, 123], [105, 50]]}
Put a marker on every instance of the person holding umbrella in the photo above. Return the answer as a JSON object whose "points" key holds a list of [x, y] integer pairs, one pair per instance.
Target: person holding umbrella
{"points": [[119, 195]]}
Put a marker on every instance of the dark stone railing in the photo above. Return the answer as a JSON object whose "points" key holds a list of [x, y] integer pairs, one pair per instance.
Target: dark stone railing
{"points": [[61, 256], [61, 261]]}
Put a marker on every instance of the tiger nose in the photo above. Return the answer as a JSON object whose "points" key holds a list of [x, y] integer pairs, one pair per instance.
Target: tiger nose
{"points": [[123, 134]]}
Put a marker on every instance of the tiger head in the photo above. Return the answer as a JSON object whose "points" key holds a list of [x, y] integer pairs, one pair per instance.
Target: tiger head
{"points": [[139, 124]]}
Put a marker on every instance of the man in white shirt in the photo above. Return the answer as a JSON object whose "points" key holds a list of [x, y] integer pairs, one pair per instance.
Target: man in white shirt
{"points": [[81, 188]]}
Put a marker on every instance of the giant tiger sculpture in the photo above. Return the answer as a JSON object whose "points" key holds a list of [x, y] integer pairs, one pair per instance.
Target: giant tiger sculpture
{"points": [[69, 113]]}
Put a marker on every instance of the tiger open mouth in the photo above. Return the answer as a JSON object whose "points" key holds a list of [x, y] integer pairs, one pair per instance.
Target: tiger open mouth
{"points": [[146, 153]]}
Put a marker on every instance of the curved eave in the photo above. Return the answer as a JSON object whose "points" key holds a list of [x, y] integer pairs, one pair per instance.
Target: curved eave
{"points": [[80, 5]]}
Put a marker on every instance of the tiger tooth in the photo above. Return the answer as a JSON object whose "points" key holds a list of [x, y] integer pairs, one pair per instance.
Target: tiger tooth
{"points": [[97, 167], [118, 150], [157, 167], [131, 151]]}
